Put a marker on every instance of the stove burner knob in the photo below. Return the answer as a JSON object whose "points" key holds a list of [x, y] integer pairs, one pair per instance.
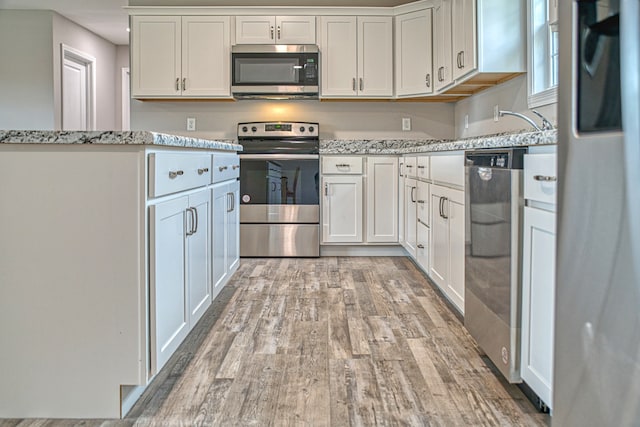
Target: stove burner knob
{"points": [[311, 129], [301, 128], [244, 129], [254, 129]]}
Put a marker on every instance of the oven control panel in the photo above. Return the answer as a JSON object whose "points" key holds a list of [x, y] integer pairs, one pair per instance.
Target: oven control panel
{"points": [[278, 130]]}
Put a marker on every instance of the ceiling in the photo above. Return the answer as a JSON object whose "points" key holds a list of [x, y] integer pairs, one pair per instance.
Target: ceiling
{"points": [[108, 19]]}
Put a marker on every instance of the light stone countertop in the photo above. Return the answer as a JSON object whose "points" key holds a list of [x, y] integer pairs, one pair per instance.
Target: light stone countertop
{"points": [[396, 146], [113, 138]]}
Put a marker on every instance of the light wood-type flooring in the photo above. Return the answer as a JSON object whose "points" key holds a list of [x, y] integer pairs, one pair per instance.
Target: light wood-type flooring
{"points": [[327, 342]]}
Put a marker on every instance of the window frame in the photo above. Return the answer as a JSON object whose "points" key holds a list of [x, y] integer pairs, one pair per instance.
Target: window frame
{"points": [[539, 64]]}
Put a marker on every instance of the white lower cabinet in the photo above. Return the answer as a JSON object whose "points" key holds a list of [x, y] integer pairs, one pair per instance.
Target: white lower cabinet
{"points": [[382, 191], [423, 240], [410, 225], [225, 232], [447, 242], [342, 209]]}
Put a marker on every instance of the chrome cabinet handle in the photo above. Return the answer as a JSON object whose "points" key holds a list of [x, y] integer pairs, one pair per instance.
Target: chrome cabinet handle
{"points": [[279, 32], [361, 84], [272, 32], [173, 174], [234, 167], [401, 165], [545, 178], [413, 200], [223, 168], [444, 201], [326, 190], [420, 246], [353, 84], [177, 84], [184, 83], [195, 213], [428, 80], [421, 202], [203, 170], [229, 202], [441, 207], [190, 231], [462, 59], [420, 167], [273, 186]]}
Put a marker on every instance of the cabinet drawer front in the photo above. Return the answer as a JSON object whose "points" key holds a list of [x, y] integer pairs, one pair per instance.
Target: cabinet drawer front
{"points": [[422, 167], [173, 172], [448, 169], [225, 167], [540, 177], [410, 166], [342, 165]]}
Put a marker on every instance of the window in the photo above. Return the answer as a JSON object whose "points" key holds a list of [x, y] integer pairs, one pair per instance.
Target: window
{"points": [[543, 52]]}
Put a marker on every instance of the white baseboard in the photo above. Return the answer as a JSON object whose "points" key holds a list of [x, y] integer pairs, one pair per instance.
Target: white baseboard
{"points": [[340, 250]]}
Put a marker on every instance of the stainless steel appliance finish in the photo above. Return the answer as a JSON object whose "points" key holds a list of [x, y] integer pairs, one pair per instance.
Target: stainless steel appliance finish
{"points": [[274, 71], [597, 320], [492, 255], [279, 194]]}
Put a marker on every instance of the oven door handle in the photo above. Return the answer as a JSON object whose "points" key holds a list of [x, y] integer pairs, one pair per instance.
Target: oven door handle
{"points": [[279, 156]]}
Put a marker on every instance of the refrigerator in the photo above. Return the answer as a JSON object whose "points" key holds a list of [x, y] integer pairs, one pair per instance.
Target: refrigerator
{"points": [[597, 314]]}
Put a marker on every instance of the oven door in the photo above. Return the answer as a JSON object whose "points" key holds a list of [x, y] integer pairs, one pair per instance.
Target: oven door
{"points": [[276, 188]]}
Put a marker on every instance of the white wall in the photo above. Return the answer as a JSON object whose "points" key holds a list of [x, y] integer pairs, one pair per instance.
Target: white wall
{"points": [[347, 120], [512, 96], [122, 61], [77, 37], [26, 78]]}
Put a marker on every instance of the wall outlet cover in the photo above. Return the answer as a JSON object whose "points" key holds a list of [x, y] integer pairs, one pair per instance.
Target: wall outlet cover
{"points": [[406, 123], [191, 123]]}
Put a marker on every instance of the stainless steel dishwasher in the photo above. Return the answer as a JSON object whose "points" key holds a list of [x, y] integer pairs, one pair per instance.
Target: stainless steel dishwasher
{"points": [[492, 255]]}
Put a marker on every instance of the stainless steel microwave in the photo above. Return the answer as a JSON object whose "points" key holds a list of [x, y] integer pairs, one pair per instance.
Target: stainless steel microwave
{"points": [[274, 71]]}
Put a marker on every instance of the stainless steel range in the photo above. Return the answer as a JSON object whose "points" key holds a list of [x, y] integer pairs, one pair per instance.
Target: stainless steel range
{"points": [[279, 189]]}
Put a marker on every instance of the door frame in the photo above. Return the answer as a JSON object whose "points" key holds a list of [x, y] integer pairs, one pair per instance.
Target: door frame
{"points": [[79, 57], [126, 99]]}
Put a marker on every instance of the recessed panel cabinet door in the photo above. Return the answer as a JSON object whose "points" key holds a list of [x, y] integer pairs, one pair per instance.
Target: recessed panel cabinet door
{"points": [[198, 255], [338, 44], [375, 56], [382, 199], [439, 254], [206, 53], [169, 305], [414, 53], [233, 223], [463, 15], [342, 209], [442, 44], [155, 56], [220, 205]]}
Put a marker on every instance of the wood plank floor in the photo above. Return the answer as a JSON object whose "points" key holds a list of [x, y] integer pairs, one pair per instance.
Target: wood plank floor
{"points": [[326, 342]]}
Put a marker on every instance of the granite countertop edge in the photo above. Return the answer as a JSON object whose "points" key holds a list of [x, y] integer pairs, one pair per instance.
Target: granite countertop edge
{"points": [[114, 138], [396, 146]]}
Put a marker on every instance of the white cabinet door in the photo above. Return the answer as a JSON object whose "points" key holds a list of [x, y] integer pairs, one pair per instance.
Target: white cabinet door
{"points": [[206, 53], [463, 13], [338, 46], [442, 44], [455, 214], [538, 301], [169, 305], [375, 56], [357, 56], [198, 254], [382, 199], [422, 246], [342, 209], [255, 29], [219, 236], [439, 253], [410, 220], [296, 29], [414, 54], [233, 226], [155, 56]]}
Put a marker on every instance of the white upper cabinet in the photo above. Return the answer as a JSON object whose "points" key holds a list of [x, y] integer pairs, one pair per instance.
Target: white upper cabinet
{"points": [[275, 29], [175, 56], [442, 44], [413, 63], [357, 56], [463, 40]]}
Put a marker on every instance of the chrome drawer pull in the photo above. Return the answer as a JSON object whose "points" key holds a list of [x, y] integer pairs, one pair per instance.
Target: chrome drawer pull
{"points": [[223, 168], [421, 202], [234, 167], [343, 165], [203, 170], [173, 174], [420, 246], [545, 178], [420, 167]]}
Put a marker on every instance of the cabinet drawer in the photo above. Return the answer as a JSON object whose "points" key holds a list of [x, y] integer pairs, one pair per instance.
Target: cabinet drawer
{"points": [[448, 169], [225, 167], [342, 165], [173, 172], [422, 168], [409, 166], [540, 175]]}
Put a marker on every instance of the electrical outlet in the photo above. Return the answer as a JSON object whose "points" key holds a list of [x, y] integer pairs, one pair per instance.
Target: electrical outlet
{"points": [[466, 121], [191, 123], [406, 123], [496, 113]]}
